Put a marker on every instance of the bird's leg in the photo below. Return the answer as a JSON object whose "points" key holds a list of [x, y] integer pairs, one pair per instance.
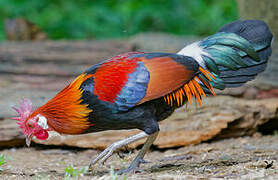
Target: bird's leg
{"points": [[104, 155], [139, 158]]}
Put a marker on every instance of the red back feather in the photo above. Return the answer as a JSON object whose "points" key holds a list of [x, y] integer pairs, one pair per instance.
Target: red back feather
{"points": [[112, 75]]}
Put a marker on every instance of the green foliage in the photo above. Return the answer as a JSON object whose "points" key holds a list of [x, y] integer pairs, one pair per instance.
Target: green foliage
{"points": [[3, 160], [86, 19], [113, 174], [70, 171]]}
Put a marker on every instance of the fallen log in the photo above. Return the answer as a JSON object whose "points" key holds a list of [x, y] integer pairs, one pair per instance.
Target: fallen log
{"points": [[220, 117]]}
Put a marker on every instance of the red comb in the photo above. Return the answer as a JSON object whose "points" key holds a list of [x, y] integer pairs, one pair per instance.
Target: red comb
{"points": [[24, 110]]}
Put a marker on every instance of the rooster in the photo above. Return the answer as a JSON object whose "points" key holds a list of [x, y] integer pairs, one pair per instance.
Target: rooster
{"points": [[136, 90]]}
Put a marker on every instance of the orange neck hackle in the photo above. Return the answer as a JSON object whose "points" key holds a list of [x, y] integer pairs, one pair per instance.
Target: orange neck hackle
{"points": [[66, 113]]}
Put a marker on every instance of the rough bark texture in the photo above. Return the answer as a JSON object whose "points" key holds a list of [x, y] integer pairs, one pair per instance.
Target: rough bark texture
{"points": [[239, 117]]}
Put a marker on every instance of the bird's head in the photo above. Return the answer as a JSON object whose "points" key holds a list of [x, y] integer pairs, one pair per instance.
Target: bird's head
{"points": [[31, 123]]}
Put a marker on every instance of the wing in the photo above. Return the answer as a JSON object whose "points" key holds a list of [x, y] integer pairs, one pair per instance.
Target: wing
{"points": [[131, 79]]}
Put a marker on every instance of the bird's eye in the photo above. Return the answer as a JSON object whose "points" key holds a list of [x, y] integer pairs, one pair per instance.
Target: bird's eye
{"points": [[30, 125]]}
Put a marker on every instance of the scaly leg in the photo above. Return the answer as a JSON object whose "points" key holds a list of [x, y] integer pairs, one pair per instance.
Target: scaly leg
{"points": [[104, 155], [139, 158]]}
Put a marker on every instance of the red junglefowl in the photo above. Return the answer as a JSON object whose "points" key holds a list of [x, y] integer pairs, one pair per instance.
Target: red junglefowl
{"points": [[136, 90]]}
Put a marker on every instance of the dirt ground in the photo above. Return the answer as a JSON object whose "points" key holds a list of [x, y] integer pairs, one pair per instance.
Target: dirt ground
{"points": [[240, 158]]}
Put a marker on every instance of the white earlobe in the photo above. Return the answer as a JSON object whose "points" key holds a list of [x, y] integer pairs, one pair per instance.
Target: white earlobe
{"points": [[42, 122]]}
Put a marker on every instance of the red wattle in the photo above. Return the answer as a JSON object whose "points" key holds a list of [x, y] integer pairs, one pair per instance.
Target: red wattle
{"points": [[42, 135]]}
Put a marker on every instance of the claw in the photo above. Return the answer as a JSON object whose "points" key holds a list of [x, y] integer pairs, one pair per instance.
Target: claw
{"points": [[130, 170], [102, 157], [134, 166], [108, 152], [142, 161]]}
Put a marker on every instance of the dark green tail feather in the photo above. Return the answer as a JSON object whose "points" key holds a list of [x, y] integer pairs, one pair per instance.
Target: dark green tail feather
{"points": [[238, 52]]}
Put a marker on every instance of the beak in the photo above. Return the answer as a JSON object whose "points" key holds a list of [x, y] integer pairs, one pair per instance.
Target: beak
{"points": [[29, 139]]}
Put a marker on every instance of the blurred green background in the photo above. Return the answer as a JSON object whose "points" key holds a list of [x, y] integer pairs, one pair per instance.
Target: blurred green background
{"points": [[99, 19]]}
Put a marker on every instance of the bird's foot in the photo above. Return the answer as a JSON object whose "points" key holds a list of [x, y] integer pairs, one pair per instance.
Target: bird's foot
{"points": [[142, 161], [130, 170], [104, 155], [133, 167]]}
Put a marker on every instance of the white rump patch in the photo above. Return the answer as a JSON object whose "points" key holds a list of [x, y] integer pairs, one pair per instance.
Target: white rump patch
{"points": [[42, 122], [195, 51]]}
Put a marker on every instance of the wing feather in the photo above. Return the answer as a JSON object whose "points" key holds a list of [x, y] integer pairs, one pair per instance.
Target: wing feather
{"points": [[134, 78]]}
